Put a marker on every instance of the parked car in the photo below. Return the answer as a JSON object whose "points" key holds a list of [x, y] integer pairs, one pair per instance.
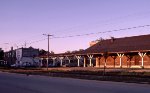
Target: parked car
{"points": [[26, 64], [14, 66]]}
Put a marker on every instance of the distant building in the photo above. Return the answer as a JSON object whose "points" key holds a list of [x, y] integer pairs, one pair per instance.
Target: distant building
{"points": [[22, 57], [10, 57], [27, 56]]}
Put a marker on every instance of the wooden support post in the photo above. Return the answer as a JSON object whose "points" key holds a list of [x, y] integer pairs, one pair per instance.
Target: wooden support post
{"points": [[78, 57], [105, 64], [47, 62], [120, 56], [84, 62], [90, 57], [41, 62], [142, 56], [54, 58], [97, 61], [61, 60]]}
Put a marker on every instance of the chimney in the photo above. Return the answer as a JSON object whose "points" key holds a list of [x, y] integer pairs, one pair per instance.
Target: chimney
{"points": [[11, 48], [112, 39], [93, 43]]}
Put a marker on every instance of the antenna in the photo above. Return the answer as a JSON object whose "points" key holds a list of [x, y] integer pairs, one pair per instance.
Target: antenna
{"points": [[25, 44]]}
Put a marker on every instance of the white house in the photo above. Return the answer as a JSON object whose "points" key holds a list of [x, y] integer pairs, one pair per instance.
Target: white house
{"points": [[27, 56]]}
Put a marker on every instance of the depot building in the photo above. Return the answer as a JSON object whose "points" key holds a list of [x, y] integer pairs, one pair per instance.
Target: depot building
{"points": [[126, 52]]}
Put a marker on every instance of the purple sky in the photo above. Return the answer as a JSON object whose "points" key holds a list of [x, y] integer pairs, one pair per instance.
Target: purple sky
{"points": [[26, 20]]}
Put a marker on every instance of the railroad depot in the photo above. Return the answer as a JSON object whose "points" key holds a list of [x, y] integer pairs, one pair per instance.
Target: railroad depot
{"points": [[126, 52]]}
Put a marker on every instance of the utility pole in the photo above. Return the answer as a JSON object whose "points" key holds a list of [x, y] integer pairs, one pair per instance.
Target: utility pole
{"points": [[48, 35]]}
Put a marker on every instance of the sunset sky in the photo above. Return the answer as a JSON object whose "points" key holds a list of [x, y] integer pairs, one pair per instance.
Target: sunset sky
{"points": [[26, 20]]}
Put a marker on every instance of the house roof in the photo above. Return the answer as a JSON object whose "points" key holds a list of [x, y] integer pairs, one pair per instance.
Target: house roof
{"points": [[126, 44]]}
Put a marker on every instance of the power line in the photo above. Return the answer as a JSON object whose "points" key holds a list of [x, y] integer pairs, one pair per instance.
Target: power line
{"points": [[87, 34], [37, 41], [32, 42], [94, 23]]}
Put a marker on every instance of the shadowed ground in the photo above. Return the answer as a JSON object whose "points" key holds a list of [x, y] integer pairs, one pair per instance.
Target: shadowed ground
{"points": [[17, 83]]}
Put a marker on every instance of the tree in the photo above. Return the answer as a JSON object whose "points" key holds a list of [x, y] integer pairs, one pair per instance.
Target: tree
{"points": [[1, 54], [42, 52], [68, 52], [52, 52], [100, 39], [81, 49]]}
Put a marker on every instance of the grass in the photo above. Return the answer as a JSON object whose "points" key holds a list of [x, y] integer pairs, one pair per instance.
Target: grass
{"points": [[110, 75]]}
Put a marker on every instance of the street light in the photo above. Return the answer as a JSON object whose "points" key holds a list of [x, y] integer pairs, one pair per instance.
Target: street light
{"points": [[48, 35]]}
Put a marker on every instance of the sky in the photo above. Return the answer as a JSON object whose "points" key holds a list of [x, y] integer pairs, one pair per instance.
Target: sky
{"points": [[25, 21]]}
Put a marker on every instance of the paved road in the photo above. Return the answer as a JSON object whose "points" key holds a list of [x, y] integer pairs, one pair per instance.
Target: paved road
{"points": [[17, 83]]}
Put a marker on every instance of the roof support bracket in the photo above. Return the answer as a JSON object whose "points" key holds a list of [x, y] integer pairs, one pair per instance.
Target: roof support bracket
{"points": [[120, 56], [68, 58], [90, 57], [54, 58], [78, 57], [61, 60]]}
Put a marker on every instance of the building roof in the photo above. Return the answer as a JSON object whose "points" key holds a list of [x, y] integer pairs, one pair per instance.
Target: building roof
{"points": [[126, 44], [115, 45]]}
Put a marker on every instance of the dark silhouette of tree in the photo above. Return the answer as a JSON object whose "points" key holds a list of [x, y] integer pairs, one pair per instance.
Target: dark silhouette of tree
{"points": [[68, 52], [52, 52], [42, 52], [1, 54], [81, 49]]}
